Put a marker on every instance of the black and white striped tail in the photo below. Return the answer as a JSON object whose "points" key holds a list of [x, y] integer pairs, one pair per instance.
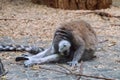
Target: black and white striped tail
{"points": [[30, 49]]}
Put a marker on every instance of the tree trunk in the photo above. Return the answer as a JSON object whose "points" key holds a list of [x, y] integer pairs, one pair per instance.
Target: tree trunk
{"points": [[76, 4]]}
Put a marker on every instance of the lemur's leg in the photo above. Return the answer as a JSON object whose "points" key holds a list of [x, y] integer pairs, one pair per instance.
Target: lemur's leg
{"points": [[48, 51], [50, 58], [36, 58]]}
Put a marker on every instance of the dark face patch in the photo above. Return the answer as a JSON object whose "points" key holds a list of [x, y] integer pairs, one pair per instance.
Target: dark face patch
{"points": [[61, 34], [56, 41]]}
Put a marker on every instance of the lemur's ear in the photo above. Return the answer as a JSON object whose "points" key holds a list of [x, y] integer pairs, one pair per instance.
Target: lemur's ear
{"points": [[20, 59]]}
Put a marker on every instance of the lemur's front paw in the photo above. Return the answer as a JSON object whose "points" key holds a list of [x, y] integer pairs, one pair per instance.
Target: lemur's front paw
{"points": [[29, 62], [73, 63]]}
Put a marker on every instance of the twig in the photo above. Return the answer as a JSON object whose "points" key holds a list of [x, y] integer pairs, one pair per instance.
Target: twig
{"points": [[76, 74], [103, 41], [65, 68], [5, 19], [111, 45], [100, 13], [103, 14], [115, 24]]}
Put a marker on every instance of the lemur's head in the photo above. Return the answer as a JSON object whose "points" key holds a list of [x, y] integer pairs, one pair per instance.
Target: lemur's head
{"points": [[64, 45]]}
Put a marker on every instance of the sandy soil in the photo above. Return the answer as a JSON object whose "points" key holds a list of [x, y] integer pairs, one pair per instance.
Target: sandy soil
{"points": [[35, 20], [21, 19]]}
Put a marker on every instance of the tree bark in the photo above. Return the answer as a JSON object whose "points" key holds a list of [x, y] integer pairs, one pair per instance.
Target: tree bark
{"points": [[76, 4]]}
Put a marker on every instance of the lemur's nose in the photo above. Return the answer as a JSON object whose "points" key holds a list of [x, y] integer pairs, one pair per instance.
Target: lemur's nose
{"points": [[64, 45]]}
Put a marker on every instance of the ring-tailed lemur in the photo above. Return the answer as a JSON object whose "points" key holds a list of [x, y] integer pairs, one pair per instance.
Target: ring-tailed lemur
{"points": [[76, 39]]}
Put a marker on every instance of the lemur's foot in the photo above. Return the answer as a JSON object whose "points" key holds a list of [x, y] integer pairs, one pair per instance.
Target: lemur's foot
{"points": [[73, 63], [28, 63], [31, 61]]}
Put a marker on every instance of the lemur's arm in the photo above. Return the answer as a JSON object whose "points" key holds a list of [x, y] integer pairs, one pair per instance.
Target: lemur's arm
{"points": [[78, 53], [50, 58], [42, 57]]}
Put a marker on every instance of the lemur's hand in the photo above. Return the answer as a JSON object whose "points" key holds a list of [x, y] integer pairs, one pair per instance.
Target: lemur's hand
{"points": [[73, 63], [29, 62]]}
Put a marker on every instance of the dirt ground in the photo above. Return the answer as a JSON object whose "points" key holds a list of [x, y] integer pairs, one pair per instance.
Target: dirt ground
{"points": [[22, 22]]}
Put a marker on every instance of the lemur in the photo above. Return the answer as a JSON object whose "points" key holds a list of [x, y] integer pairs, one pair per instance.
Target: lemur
{"points": [[74, 40]]}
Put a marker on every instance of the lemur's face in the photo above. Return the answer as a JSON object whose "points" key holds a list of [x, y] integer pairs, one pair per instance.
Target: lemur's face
{"points": [[64, 45]]}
